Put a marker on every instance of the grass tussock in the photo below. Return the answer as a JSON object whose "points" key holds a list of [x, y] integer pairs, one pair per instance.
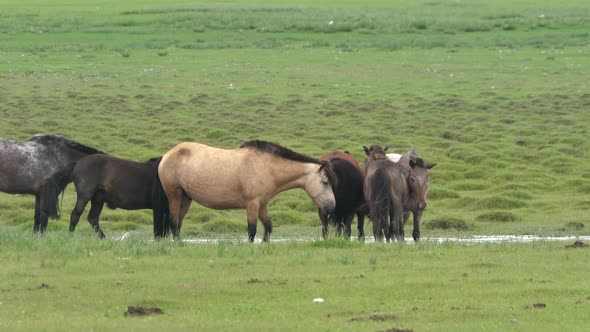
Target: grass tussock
{"points": [[448, 223], [498, 216]]}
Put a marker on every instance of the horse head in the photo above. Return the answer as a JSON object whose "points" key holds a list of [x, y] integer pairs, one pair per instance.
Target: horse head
{"points": [[375, 152], [418, 181], [319, 187]]}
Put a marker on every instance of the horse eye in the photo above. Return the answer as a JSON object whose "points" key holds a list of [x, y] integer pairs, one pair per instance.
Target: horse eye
{"points": [[413, 179]]}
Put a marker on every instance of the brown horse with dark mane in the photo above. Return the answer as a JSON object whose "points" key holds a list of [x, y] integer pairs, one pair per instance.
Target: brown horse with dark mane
{"points": [[386, 192], [348, 191], [243, 178], [416, 171], [117, 182]]}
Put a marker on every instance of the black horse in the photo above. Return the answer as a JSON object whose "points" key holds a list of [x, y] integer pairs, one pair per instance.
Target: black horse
{"points": [[117, 182], [348, 191], [42, 167]]}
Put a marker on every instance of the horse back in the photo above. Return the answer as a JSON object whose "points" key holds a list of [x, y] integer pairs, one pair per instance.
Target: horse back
{"points": [[213, 177]]}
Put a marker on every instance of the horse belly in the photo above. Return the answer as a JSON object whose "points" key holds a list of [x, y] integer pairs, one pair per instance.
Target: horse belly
{"points": [[218, 197]]}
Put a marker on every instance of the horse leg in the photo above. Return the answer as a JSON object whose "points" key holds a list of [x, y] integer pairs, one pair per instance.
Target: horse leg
{"points": [[406, 216], [174, 202], [377, 231], [182, 204], [252, 209], [37, 213], [81, 202], [43, 216], [339, 226], [396, 220], [347, 225], [324, 220], [360, 216], [416, 231], [96, 205], [263, 215]]}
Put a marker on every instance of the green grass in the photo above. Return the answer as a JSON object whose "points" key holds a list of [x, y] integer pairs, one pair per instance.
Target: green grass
{"points": [[495, 92], [68, 282]]}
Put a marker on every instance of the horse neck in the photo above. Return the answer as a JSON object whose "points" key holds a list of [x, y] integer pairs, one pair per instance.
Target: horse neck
{"points": [[292, 174]]}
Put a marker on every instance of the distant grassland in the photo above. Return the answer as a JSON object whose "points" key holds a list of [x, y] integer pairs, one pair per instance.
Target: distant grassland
{"points": [[495, 92]]}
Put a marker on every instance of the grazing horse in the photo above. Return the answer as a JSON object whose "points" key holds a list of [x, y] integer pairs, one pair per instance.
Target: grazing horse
{"points": [[348, 191], [246, 177], [386, 192], [42, 167], [416, 171], [117, 182]]}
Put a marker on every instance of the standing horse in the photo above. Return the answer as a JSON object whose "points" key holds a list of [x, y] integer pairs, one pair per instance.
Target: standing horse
{"points": [[386, 192], [42, 167], [348, 191], [246, 177], [416, 171], [117, 182]]}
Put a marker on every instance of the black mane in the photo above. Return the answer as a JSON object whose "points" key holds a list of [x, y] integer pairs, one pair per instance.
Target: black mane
{"points": [[47, 139], [279, 151]]}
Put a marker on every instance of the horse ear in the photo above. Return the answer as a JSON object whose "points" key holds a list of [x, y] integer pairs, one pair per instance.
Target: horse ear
{"points": [[366, 150], [429, 166], [386, 147], [346, 151]]}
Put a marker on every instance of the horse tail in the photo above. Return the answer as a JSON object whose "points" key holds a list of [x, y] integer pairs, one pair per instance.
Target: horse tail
{"points": [[53, 188], [160, 206], [379, 198]]}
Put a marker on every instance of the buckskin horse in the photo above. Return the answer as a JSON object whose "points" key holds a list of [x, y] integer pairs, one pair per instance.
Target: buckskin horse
{"points": [[40, 166], [243, 178], [117, 182], [348, 191]]}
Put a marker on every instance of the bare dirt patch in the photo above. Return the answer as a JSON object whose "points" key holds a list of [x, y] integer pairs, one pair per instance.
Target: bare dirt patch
{"points": [[143, 311], [535, 306], [374, 318], [578, 244]]}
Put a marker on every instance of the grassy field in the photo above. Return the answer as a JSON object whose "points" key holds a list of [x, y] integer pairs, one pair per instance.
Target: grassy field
{"points": [[61, 282], [495, 92]]}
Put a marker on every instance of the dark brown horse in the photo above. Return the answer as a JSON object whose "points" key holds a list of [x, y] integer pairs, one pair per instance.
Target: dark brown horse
{"points": [[386, 192], [117, 182], [348, 191], [246, 177], [42, 167], [416, 171]]}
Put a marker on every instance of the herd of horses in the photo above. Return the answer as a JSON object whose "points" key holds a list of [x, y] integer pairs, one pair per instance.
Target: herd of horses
{"points": [[387, 189]]}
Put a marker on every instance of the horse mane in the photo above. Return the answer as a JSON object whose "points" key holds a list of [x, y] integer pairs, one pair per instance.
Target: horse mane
{"points": [[279, 151], [153, 160], [415, 156], [47, 139]]}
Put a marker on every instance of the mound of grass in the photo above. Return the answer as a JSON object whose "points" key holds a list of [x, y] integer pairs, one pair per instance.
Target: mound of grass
{"points": [[498, 216], [448, 223], [497, 202], [490, 203], [287, 218], [469, 186], [223, 226], [519, 194], [583, 205], [574, 225], [441, 193]]}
